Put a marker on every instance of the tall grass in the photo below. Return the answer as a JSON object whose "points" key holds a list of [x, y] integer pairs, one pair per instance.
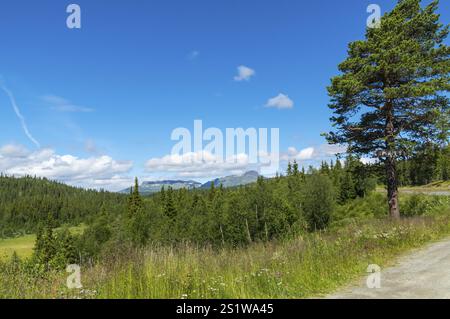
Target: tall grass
{"points": [[308, 266]]}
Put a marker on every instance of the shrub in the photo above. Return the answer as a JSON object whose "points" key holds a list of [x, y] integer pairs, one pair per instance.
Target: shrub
{"points": [[318, 201]]}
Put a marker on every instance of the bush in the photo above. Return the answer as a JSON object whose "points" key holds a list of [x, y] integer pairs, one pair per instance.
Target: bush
{"points": [[372, 206], [318, 201], [421, 204]]}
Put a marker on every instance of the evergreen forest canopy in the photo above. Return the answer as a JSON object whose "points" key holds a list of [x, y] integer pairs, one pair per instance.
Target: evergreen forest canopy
{"points": [[272, 209]]}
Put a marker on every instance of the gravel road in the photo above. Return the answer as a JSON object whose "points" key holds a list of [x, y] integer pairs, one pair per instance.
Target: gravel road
{"points": [[422, 274]]}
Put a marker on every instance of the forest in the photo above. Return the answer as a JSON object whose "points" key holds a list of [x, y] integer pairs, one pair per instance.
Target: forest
{"points": [[279, 208]]}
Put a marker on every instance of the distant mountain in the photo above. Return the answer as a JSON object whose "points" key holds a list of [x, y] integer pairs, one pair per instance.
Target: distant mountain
{"points": [[155, 186], [147, 188], [234, 180]]}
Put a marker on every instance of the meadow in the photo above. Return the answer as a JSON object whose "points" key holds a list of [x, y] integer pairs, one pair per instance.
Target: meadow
{"points": [[310, 265], [23, 245]]}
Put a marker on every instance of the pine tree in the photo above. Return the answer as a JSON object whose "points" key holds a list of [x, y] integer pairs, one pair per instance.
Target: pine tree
{"points": [[295, 170], [169, 209], [289, 169], [212, 192], [394, 79], [303, 175], [45, 246], [346, 188], [324, 168], [134, 200]]}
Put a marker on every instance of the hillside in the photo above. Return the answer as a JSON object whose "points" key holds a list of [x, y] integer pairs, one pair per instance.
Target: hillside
{"points": [[25, 202], [234, 180], [151, 187]]}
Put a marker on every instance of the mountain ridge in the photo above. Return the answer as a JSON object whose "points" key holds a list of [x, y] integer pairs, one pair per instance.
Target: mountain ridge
{"points": [[150, 187]]}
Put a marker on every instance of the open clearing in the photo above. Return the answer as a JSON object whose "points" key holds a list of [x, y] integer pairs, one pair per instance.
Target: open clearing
{"points": [[23, 245]]}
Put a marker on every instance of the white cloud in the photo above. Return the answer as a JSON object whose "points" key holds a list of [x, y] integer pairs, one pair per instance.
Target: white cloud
{"points": [[20, 116], [204, 165], [281, 101], [193, 55], [60, 104], [302, 155], [244, 73], [95, 172], [13, 150], [201, 165], [306, 154], [368, 160], [332, 149], [313, 154]]}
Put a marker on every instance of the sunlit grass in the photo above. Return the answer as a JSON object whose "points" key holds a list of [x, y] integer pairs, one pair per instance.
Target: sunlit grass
{"points": [[308, 266], [23, 245]]}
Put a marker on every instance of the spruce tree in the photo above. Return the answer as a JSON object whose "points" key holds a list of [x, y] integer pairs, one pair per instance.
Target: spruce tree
{"points": [[295, 170], [169, 209], [289, 169], [134, 201]]}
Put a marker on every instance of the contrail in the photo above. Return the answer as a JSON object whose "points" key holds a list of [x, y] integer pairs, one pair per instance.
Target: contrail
{"points": [[20, 116]]}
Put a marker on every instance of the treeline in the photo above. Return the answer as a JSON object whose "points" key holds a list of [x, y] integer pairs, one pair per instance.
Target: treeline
{"points": [[292, 203], [265, 210], [270, 209], [432, 163], [276, 208], [298, 201], [27, 202]]}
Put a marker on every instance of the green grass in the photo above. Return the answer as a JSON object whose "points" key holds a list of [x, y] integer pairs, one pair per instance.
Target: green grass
{"points": [[432, 187], [311, 265], [439, 187], [308, 266], [23, 245]]}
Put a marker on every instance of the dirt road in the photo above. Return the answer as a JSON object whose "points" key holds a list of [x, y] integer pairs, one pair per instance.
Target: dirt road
{"points": [[424, 273]]}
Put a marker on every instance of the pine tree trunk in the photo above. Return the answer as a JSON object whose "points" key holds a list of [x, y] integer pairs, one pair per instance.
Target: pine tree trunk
{"points": [[391, 169], [392, 186]]}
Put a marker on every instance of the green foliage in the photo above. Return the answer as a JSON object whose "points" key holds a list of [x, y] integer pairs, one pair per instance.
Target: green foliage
{"points": [[270, 209], [399, 71], [138, 220], [53, 250], [95, 236], [390, 98], [134, 200], [308, 266], [420, 204], [318, 201], [371, 206], [26, 202]]}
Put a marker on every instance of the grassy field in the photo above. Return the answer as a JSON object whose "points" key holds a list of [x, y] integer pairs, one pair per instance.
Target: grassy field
{"points": [[440, 186], [310, 265], [23, 245], [435, 188]]}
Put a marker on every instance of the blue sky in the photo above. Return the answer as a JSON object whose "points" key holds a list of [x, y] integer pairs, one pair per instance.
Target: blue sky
{"points": [[103, 100]]}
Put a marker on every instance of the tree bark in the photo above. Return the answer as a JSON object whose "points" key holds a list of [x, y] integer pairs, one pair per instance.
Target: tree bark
{"points": [[391, 167], [392, 187]]}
